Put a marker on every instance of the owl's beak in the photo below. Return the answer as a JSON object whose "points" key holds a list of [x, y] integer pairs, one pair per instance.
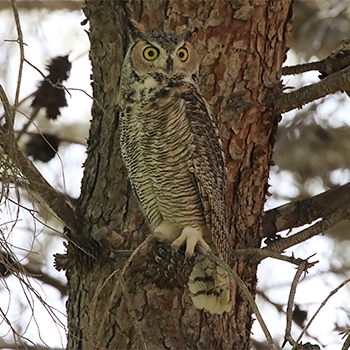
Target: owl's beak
{"points": [[169, 65]]}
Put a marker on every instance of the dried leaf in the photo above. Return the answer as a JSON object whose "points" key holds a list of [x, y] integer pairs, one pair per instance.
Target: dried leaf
{"points": [[42, 147], [50, 95]]}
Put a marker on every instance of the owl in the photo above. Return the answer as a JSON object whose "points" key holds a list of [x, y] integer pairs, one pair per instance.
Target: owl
{"points": [[174, 157]]}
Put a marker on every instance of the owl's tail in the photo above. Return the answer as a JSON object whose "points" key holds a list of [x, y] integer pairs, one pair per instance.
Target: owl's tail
{"points": [[209, 285]]}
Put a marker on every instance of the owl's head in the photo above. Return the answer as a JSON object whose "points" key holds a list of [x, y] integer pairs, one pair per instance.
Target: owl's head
{"points": [[167, 55]]}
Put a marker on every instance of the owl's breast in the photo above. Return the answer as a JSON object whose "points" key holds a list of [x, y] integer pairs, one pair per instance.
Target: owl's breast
{"points": [[158, 146]]}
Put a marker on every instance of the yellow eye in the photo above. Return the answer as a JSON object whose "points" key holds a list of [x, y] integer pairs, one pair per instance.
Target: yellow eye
{"points": [[150, 53], [182, 54]]}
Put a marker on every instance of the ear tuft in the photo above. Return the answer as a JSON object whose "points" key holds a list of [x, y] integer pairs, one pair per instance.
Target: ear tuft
{"points": [[136, 29], [136, 25]]}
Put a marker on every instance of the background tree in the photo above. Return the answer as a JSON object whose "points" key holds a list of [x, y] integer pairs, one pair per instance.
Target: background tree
{"points": [[115, 301]]}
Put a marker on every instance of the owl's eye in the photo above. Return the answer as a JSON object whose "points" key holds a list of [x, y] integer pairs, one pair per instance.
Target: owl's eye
{"points": [[150, 53], [182, 54]]}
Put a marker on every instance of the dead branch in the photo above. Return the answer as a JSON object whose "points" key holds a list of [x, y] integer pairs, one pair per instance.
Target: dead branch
{"points": [[23, 345], [56, 200], [324, 302], [305, 211], [305, 67], [70, 5], [283, 243], [288, 336], [296, 99], [333, 63], [11, 266], [346, 343], [264, 253], [21, 50], [36, 272]]}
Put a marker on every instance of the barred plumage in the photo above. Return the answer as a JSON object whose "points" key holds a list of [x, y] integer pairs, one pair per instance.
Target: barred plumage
{"points": [[173, 153]]}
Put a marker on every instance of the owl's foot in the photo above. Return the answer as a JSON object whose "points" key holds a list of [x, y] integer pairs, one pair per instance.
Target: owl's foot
{"points": [[191, 235]]}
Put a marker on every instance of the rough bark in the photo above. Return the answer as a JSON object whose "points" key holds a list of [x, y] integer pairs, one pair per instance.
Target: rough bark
{"points": [[242, 48]]}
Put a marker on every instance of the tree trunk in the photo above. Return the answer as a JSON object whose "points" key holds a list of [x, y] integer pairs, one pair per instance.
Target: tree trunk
{"points": [[242, 48]]}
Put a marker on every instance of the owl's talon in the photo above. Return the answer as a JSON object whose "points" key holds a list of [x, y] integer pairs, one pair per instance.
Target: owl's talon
{"points": [[191, 235]]}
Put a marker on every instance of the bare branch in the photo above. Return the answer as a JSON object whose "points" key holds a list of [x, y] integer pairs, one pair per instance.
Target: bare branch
{"points": [[36, 272], [305, 211], [333, 63], [23, 345], [56, 200], [21, 50], [10, 266], [266, 253], [334, 291], [346, 344], [281, 244], [71, 5], [302, 68], [296, 99], [291, 298]]}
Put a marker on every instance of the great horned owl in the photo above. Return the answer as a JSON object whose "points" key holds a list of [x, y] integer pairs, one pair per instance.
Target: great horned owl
{"points": [[173, 153]]}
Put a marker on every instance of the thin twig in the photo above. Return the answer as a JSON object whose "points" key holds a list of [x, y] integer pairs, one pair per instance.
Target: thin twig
{"points": [[263, 253], [21, 50], [245, 292], [293, 289], [61, 86], [319, 309], [34, 113], [56, 200]]}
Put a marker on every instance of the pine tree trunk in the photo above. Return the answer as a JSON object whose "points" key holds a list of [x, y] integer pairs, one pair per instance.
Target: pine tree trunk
{"points": [[242, 48]]}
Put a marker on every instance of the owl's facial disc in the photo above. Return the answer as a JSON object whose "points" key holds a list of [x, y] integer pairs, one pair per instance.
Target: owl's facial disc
{"points": [[169, 59]]}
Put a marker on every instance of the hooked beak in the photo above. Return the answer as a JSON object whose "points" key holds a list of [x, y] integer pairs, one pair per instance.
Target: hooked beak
{"points": [[169, 65]]}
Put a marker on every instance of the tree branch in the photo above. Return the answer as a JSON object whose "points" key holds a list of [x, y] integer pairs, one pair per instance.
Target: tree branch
{"points": [[262, 253], [35, 272], [23, 345], [21, 50], [333, 63], [10, 265], [334, 291], [296, 99], [281, 244], [71, 5], [305, 211], [56, 200], [346, 343], [291, 298]]}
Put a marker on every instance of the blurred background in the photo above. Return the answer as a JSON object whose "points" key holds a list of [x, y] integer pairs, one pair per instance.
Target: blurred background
{"points": [[311, 156]]}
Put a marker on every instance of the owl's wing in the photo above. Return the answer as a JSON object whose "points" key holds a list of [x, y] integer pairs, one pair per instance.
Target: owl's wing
{"points": [[209, 168]]}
